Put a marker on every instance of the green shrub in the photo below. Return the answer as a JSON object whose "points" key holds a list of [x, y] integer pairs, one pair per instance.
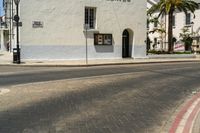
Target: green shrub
{"points": [[165, 52]]}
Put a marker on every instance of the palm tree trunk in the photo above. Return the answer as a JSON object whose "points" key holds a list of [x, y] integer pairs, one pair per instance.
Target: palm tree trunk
{"points": [[170, 32]]}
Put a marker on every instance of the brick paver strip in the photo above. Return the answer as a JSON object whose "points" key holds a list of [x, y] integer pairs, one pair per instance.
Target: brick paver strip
{"points": [[181, 114]]}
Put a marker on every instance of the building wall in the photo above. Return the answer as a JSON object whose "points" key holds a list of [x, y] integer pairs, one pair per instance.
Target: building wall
{"points": [[177, 29], [63, 35], [161, 37], [180, 23], [4, 35], [4, 39]]}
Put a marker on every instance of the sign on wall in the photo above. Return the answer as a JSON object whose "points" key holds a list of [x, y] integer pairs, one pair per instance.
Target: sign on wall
{"points": [[120, 0], [102, 39], [179, 47], [37, 24], [19, 24]]}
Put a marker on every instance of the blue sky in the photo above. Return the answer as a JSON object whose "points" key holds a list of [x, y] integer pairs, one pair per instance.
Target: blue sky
{"points": [[1, 8]]}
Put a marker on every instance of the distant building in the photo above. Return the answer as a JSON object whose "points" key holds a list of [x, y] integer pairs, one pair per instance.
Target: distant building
{"points": [[159, 41], [72, 29], [9, 34], [150, 3], [4, 35]]}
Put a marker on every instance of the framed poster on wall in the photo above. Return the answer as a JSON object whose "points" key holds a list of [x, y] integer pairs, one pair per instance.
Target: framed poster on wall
{"points": [[102, 39]]}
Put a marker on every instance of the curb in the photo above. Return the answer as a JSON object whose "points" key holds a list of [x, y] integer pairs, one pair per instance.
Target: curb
{"points": [[191, 119], [103, 64], [189, 122]]}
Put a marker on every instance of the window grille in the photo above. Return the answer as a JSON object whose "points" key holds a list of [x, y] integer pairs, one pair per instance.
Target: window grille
{"points": [[90, 17], [188, 19]]}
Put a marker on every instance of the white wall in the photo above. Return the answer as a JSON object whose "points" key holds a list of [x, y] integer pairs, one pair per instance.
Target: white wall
{"points": [[158, 35], [62, 36], [4, 39], [179, 24]]}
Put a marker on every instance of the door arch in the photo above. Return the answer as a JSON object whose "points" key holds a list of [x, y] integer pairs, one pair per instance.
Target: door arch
{"points": [[125, 44]]}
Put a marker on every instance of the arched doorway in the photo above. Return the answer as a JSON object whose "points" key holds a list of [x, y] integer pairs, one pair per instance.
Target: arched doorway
{"points": [[125, 44]]}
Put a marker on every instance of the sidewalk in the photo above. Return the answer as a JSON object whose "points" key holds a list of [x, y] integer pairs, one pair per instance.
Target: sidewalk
{"points": [[196, 127], [188, 118], [6, 60], [5, 57]]}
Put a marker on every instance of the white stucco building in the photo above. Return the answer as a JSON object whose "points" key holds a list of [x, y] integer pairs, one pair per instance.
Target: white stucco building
{"points": [[4, 35], [150, 3], [8, 37], [180, 21], [56, 30]]}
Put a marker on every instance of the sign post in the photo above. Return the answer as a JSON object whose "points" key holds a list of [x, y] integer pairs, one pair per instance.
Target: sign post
{"points": [[86, 27]]}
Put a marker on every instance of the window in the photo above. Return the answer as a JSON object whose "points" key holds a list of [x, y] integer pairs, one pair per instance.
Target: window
{"points": [[155, 43], [90, 17], [156, 24], [188, 19], [102, 39], [147, 24], [174, 21]]}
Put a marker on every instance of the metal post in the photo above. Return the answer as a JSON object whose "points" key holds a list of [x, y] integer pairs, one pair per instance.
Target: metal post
{"points": [[17, 23], [10, 26], [86, 27], [16, 18], [86, 48]]}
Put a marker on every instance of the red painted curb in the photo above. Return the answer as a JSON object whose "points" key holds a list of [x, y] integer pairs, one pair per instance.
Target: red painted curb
{"points": [[188, 125], [181, 114]]}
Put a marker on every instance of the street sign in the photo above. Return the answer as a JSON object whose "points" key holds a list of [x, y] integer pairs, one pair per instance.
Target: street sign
{"points": [[15, 24]]}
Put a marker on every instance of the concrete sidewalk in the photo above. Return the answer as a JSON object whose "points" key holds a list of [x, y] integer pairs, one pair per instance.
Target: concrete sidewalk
{"points": [[188, 118], [6, 59], [196, 127]]}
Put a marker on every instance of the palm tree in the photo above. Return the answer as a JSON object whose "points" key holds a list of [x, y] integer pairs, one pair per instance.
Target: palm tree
{"points": [[167, 7]]}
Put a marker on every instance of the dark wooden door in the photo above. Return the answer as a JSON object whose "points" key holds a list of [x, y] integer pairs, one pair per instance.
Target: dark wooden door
{"points": [[125, 44]]}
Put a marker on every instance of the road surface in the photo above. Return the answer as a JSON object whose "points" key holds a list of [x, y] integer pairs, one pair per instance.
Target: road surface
{"points": [[104, 99]]}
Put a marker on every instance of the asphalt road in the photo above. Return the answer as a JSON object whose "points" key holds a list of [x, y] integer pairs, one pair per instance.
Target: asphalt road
{"points": [[109, 99], [20, 75]]}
